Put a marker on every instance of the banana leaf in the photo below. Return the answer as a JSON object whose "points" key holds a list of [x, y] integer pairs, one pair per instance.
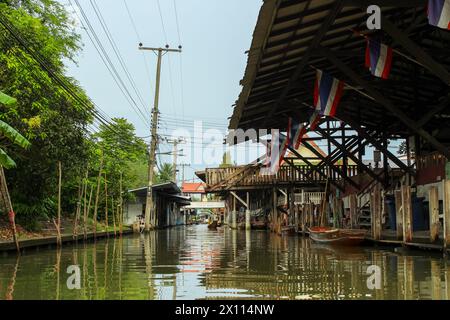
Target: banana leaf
{"points": [[6, 100], [6, 161], [12, 134]]}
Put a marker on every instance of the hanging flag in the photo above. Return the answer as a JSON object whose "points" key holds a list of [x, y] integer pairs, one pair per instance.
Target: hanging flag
{"points": [[439, 13], [298, 130], [276, 151], [378, 58], [314, 120], [327, 93]]}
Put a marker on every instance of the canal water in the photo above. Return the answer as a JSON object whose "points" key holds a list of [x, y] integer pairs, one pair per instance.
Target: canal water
{"points": [[196, 263]]}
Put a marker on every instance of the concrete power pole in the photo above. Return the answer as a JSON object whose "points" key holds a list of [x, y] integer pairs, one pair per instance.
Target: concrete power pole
{"points": [[150, 216], [175, 159]]}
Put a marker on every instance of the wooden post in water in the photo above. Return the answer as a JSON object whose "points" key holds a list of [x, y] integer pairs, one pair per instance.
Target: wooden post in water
{"points": [[58, 222], [353, 205], [407, 214], [293, 211], [78, 209], [274, 210], [106, 206], [120, 206], [248, 225], [399, 214], [446, 214], [234, 217], [434, 213], [97, 196], [114, 215], [4, 193], [375, 209], [303, 217]]}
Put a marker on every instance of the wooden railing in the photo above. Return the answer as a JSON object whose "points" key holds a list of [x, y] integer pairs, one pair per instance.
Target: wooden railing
{"points": [[286, 175]]}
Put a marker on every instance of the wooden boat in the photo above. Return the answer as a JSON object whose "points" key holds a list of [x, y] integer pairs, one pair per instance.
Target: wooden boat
{"points": [[334, 236], [288, 230], [213, 225]]}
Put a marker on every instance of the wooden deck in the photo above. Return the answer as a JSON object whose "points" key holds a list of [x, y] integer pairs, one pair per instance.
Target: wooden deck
{"points": [[287, 175]]}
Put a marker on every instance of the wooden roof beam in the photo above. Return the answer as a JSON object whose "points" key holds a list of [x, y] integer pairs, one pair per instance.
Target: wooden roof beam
{"points": [[385, 102], [412, 48], [303, 63]]}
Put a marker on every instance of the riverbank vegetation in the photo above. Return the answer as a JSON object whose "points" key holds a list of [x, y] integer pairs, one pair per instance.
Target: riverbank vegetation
{"points": [[99, 157]]}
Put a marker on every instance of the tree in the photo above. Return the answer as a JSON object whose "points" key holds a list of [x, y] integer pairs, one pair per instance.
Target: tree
{"points": [[165, 173], [52, 120], [8, 132], [5, 161]]}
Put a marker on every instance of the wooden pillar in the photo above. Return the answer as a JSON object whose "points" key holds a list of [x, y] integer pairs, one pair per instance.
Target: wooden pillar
{"points": [[274, 209], [303, 218], [446, 214], [375, 211], [434, 213], [399, 214], [248, 225], [233, 215], [293, 211], [353, 206], [407, 214]]}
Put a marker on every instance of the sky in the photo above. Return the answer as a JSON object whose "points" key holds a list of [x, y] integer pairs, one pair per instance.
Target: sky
{"points": [[200, 84]]}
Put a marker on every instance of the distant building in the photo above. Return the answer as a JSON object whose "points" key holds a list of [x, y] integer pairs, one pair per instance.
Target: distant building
{"points": [[195, 190], [168, 202]]}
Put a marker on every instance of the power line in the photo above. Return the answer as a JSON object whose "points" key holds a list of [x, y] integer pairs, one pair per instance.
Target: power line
{"points": [[108, 60], [181, 58], [93, 109], [139, 39], [116, 50]]}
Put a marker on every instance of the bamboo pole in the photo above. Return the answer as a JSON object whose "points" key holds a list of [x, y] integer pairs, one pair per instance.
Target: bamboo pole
{"points": [[85, 195], [114, 215], [106, 204], [58, 222], [86, 212], [121, 206], [97, 195], [8, 206], [81, 191]]}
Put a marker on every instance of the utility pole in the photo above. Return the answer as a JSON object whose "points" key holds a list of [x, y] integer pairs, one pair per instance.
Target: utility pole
{"points": [[150, 216], [175, 159], [183, 165], [175, 143]]}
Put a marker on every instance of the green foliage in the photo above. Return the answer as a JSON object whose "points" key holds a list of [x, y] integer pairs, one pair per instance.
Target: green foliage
{"points": [[165, 174], [11, 134], [6, 100], [51, 120]]}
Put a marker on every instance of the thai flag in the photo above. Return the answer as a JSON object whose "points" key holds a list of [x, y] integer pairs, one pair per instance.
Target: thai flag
{"points": [[298, 130], [314, 120], [276, 151], [439, 13], [327, 93], [378, 58]]}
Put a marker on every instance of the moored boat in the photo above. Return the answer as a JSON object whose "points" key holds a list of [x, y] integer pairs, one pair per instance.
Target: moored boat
{"points": [[335, 236]]}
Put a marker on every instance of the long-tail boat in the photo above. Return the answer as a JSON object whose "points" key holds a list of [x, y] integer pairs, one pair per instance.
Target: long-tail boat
{"points": [[333, 236]]}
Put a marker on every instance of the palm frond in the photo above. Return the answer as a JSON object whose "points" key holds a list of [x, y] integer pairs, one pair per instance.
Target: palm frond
{"points": [[6, 161], [6, 100], [12, 134]]}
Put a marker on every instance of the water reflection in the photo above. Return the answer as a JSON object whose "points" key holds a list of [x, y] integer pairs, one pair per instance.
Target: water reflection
{"points": [[197, 263]]}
